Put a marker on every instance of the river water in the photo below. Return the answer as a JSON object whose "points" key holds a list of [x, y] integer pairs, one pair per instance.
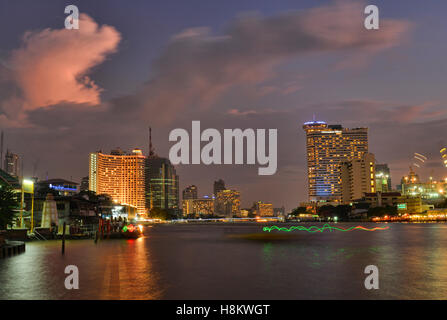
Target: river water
{"points": [[207, 262]]}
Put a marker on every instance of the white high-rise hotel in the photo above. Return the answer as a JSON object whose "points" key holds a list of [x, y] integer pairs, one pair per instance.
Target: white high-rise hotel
{"points": [[328, 148]]}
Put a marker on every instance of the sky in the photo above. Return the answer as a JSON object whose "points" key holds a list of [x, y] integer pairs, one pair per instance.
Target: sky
{"points": [[230, 64]]}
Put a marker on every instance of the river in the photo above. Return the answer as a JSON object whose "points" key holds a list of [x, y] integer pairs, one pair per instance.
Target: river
{"points": [[195, 261]]}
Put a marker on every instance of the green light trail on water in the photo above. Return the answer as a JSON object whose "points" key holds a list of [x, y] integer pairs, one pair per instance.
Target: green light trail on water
{"points": [[323, 228]]}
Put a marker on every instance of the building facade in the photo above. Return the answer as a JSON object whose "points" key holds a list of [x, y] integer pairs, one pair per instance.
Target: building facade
{"points": [[84, 184], [11, 165], [189, 192], [262, 209], [358, 177], [383, 178], [162, 185], [218, 186], [121, 176], [60, 187], [228, 203], [327, 147], [198, 208]]}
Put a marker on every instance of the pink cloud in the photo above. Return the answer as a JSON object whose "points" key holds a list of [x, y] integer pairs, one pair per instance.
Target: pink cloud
{"points": [[198, 67], [52, 66]]}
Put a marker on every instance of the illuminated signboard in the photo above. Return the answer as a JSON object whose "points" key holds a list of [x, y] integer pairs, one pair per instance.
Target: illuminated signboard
{"points": [[402, 206], [62, 188]]}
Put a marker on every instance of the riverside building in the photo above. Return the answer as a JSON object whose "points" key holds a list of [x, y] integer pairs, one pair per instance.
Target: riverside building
{"points": [[327, 147]]}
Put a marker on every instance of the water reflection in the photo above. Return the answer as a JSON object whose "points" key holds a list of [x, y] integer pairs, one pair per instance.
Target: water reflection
{"points": [[202, 262]]}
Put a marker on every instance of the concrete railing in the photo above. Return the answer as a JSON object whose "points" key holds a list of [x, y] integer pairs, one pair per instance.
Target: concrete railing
{"points": [[2, 238], [11, 248]]}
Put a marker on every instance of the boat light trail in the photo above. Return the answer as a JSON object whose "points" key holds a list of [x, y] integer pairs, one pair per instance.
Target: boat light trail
{"points": [[323, 228]]}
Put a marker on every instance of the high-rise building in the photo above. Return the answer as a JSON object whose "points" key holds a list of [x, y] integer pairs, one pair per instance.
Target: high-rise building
{"points": [[11, 163], [228, 203], [162, 185], [327, 147], [121, 176], [383, 178], [358, 178], [162, 182], [190, 192], [219, 185], [84, 184]]}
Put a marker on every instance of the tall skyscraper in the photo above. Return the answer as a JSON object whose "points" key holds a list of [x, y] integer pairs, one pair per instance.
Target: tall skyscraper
{"points": [[358, 178], [11, 163], [327, 147], [190, 192], [219, 185], [383, 178], [162, 185], [162, 182], [121, 176]]}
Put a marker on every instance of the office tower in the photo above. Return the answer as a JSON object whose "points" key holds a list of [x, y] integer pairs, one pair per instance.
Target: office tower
{"points": [[327, 147], [121, 176], [190, 192], [219, 185], [84, 184], [161, 182], [358, 178], [11, 163], [162, 185], [383, 178], [262, 209], [228, 203]]}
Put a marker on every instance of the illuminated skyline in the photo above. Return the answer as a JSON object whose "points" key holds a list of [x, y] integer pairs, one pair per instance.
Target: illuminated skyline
{"points": [[167, 64]]}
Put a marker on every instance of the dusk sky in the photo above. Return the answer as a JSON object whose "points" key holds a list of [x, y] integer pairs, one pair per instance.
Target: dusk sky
{"points": [[230, 64]]}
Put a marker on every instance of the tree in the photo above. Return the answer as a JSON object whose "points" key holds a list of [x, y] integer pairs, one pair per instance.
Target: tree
{"points": [[158, 213], [298, 211], [382, 211], [8, 203], [442, 204], [341, 211]]}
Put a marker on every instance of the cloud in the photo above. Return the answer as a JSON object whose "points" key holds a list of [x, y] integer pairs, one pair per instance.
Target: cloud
{"points": [[52, 66], [197, 67], [373, 111]]}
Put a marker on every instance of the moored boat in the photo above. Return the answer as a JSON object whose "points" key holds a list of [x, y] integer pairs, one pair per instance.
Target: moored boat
{"points": [[132, 232]]}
